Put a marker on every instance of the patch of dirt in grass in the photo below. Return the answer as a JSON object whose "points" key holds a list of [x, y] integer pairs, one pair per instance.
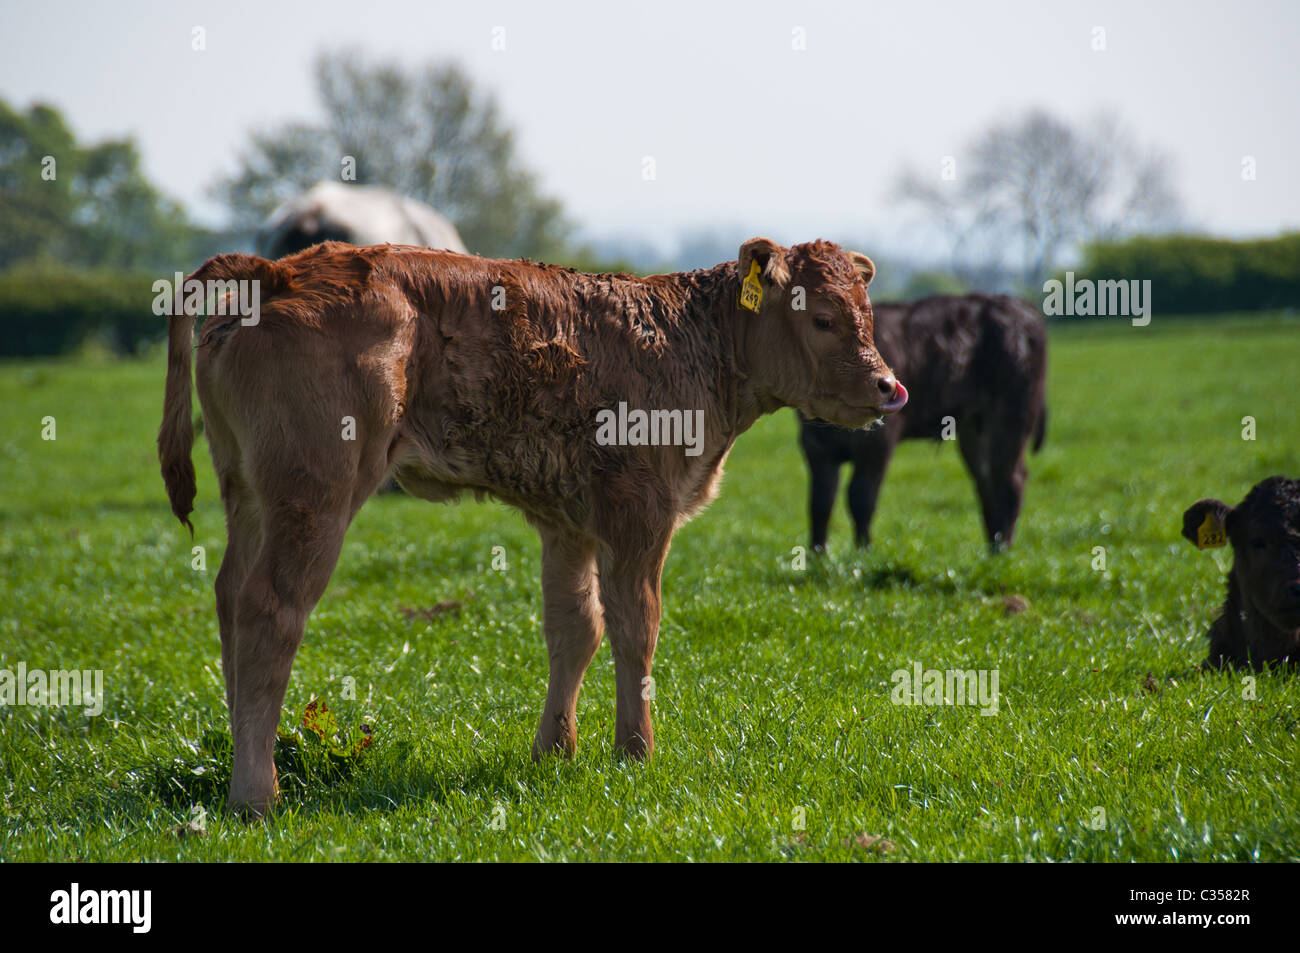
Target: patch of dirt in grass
{"points": [[1014, 604], [432, 612], [873, 843]]}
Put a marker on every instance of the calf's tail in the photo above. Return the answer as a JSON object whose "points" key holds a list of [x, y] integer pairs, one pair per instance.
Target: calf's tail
{"points": [[176, 435]]}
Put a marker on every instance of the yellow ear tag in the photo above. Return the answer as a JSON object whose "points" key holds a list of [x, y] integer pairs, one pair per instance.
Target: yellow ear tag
{"points": [[1211, 534], [751, 289]]}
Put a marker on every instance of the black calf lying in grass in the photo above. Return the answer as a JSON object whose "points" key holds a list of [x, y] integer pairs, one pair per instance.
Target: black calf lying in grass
{"points": [[1260, 622]]}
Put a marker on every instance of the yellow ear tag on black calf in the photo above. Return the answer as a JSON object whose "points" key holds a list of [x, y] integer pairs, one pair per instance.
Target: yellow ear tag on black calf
{"points": [[751, 289], [1212, 533]]}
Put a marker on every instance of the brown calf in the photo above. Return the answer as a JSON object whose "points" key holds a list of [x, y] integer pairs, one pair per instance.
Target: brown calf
{"points": [[978, 360], [1260, 621], [462, 373]]}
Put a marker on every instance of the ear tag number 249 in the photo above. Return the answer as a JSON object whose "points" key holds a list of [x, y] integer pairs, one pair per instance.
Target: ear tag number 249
{"points": [[751, 289]]}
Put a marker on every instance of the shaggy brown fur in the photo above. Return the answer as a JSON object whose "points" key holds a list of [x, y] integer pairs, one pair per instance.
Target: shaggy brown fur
{"points": [[1260, 621], [979, 359], [451, 393]]}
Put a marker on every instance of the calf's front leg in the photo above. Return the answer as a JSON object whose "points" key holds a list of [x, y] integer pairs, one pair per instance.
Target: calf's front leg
{"points": [[573, 624], [870, 458], [824, 484], [629, 590]]}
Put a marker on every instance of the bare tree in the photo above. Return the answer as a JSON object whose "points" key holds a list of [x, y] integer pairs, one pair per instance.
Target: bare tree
{"points": [[1030, 190]]}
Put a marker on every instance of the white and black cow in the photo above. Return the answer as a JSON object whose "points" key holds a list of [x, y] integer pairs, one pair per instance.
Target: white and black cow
{"points": [[356, 214]]}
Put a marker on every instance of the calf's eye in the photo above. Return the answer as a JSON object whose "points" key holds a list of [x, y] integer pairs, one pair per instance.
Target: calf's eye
{"points": [[823, 323]]}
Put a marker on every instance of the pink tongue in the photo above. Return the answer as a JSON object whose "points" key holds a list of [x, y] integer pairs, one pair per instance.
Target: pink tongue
{"points": [[899, 400]]}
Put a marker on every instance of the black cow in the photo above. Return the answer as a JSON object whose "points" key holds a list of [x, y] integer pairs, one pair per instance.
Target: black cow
{"points": [[976, 366]]}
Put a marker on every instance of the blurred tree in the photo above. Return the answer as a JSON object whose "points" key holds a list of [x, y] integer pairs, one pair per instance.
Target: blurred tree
{"points": [[922, 284], [85, 205], [1032, 189], [35, 211], [429, 134]]}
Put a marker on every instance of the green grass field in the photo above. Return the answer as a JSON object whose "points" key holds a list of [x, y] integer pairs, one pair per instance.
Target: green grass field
{"points": [[773, 685]]}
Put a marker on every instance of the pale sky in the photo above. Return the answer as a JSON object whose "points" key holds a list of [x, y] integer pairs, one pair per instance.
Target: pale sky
{"points": [[743, 128]]}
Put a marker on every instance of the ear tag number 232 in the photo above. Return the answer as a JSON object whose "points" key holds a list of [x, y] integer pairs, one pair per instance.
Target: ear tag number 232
{"points": [[751, 289], [1211, 534]]}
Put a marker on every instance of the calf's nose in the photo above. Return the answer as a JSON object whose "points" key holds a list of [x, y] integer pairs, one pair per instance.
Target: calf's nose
{"points": [[894, 394]]}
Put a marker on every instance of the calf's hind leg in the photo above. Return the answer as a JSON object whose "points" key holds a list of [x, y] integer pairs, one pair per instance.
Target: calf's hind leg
{"points": [[243, 540], [573, 623], [997, 464], [301, 537], [301, 541]]}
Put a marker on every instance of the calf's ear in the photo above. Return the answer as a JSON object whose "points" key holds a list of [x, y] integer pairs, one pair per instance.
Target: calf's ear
{"points": [[770, 257], [1205, 523], [865, 267]]}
